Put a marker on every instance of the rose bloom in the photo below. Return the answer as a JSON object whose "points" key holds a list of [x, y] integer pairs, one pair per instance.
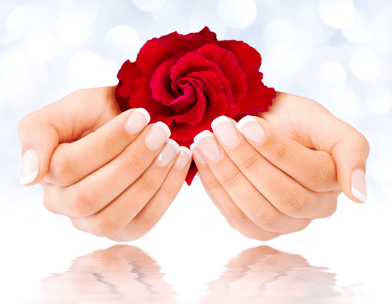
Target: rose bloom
{"points": [[186, 81]]}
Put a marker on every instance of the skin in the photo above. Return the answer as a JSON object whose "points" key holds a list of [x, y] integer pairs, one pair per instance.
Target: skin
{"points": [[292, 177], [83, 148]]}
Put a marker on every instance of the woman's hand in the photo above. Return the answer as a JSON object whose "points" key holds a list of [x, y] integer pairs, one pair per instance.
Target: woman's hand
{"points": [[109, 172], [284, 169]]}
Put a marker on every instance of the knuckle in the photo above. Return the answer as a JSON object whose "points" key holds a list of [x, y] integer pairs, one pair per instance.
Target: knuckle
{"points": [[293, 200], [107, 145], [280, 154], [104, 226], [213, 184], [81, 202], [318, 179], [251, 162], [230, 178], [169, 189], [133, 164], [265, 219], [62, 169], [363, 143], [144, 222], [146, 183]]}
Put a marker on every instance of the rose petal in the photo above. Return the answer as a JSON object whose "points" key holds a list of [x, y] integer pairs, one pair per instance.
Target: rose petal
{"points": [[258, 99], [123, 102], [142, 98], [160, 82], [191, 173], [228, 64], [127, 74], [205, 32]]}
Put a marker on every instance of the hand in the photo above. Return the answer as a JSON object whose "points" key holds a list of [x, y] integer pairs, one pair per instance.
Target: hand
{"points": [[112, 175], [287, 170]]}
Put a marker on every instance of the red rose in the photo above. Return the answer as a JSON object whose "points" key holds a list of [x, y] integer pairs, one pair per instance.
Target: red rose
{"points": [[186, 81]]}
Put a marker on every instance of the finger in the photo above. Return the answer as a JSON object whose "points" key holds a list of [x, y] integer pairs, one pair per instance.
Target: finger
{"points": [[40, 132], [116, 215], [325, 132], [94, 192], [315, 170], [222, 200], [281, 190], [153, 211], [73, 161], [254, 205]]}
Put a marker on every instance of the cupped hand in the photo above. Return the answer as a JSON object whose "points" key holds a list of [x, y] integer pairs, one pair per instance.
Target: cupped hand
{"points": [[273, 174], [111, 173]]}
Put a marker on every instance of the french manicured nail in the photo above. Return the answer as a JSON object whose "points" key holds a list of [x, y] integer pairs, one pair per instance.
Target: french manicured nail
{"points": [[183, 158], [251, 129], [137, 121], [30, 167], [196, 153], [157, 136], [207, 144], [168, 153], [225, 131], [358, 185]]}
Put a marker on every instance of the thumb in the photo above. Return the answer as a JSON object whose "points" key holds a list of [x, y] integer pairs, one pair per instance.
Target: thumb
{"points": [[39, 140], [350, 154]]}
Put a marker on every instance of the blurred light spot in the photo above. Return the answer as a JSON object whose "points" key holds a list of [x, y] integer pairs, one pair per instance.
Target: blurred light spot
{"points": [[2, 94], [109, 72], [74, 27], [344, 101], [337, 13], [281, 67], [379, 99], [19, 90], [201, 17], [237, 13], [88, 7], [85, 68], [382, 171], [13, 62], [279, 36], [359, 31], [148, 5], [22, 20], [332, 75], [122, 43], [365, 63], [41, 47], [382, 40]]}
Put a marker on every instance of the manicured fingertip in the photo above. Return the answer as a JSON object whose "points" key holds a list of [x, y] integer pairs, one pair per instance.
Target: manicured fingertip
{"points": [[202, 135], [358, 185], [197, 155], [174, 144], [186, 150], [183, 158], [30, 167], [243, 121], [163, 126], [218, 120], [145, 113]]}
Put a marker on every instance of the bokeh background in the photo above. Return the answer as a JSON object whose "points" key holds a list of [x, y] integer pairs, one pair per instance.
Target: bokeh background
{"points": [[337, 52]]}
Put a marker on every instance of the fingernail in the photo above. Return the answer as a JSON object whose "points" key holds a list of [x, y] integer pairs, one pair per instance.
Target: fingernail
{"points": [[168, 153], [358, 185], [157, 136], [196, 153], [30, 166], [225, 131], [183, 158], [207, 144], [137, 121], [251, 129]]}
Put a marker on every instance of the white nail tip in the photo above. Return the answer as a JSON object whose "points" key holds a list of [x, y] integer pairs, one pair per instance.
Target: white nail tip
{"points": [[186, 150], [243, 121], [174, 144], [201, 135], [218, 120], [359, 195], [163, 126], [29, 179], [192, 147], [145, 113]]}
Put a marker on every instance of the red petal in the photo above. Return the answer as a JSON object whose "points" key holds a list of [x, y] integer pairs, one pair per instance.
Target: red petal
{"points": [[205, 32], [123, 102], [228, 64], [258, 99], [127, 75], [160, 82], [191, 173], [142, 98]]}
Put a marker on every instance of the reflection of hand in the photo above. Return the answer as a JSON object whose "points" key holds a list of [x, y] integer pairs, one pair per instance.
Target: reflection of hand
{"points": [[281, 174], [99, 166], [119, 274], [266, 275]]}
